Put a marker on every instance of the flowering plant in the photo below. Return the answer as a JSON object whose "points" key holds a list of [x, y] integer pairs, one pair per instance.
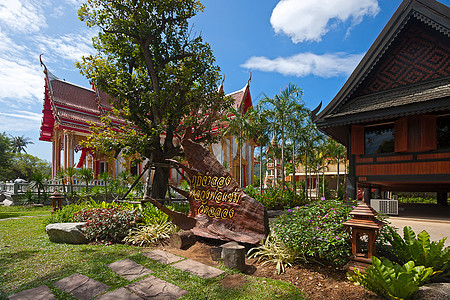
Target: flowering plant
{"points": [[107, 224], [316, 231]]}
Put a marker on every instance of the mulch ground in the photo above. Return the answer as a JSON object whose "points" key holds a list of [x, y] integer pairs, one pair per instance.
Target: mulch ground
{"points": [[319, 282]]}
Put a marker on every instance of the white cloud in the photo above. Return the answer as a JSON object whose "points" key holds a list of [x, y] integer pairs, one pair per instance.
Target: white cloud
{"points": [[69, 46], [20, 121], [309, 20], [304, 64], [24, 16]]}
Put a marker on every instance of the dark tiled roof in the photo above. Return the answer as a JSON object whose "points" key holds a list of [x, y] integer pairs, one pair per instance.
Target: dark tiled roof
{"points": [[396, 97]]}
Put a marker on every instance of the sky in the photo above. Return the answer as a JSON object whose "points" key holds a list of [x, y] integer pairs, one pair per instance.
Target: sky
{"points": [[315, 44]]}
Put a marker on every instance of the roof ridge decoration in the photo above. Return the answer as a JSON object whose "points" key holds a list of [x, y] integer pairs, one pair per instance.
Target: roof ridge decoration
{"points": [[50, 90], [429, 12]]}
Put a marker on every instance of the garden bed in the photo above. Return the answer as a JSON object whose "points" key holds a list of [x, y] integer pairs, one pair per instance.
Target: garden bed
{"points": [[317, 281]]}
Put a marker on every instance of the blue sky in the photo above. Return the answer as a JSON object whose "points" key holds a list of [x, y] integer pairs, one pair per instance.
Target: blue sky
{"points": [[315, 44]]}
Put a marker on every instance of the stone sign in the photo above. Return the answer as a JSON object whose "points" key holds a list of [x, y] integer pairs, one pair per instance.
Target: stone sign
{"points": [[216, 201]]}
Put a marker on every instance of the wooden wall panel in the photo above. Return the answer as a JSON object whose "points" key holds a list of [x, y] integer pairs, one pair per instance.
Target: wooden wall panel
{"points": [[413, 168], [357, 139], [414, 134], [394, 158], [433, 156], [428, 132], [359, 159], [401, 135]]}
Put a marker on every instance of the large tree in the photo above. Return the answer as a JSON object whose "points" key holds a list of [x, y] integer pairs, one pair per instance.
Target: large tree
{"points": [[5, 156], [160, 79]]}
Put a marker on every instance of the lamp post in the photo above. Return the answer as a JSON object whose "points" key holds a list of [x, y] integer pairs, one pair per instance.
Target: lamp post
{"points": [[363, 222]]}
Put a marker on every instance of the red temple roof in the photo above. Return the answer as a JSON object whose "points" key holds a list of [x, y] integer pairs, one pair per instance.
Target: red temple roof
{"points": [[74, 107]]}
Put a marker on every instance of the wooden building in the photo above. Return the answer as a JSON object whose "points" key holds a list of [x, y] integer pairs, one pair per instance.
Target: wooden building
{"points": [[393, 112], [69, 110]]}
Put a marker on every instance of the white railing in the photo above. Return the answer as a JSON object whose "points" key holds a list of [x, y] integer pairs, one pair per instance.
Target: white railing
{"points": [[14, 188]]}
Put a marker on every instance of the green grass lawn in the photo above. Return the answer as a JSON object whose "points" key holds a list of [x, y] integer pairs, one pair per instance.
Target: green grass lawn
{"points": [[28, 259]]}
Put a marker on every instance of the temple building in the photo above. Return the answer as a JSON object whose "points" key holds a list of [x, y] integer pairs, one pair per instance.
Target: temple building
{"points": [[393, 112], [70, 110]]}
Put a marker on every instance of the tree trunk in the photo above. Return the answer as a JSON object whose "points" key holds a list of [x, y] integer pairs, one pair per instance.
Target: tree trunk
{"points": [[306, 173], [323, 177], [293, 166], [282, 157], [161, 177], [260, 171]]}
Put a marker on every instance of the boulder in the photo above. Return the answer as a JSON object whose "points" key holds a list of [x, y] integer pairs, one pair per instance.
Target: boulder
{"points": [[70, 233], [433, 291], [7, 202]]}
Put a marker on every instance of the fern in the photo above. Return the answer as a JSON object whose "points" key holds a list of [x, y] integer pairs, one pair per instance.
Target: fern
{"points": [[391, 280], [421, 250]]}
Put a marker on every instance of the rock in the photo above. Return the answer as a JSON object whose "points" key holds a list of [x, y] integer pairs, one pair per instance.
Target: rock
{"points": [[7, 202], [233, 256], [70, 233], [182, 239], [433, 291]]}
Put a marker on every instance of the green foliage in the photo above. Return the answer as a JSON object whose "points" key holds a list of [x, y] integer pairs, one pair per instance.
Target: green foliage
{"points": [[390, 280], [162, 79], [151, 234], [251, 191], [64, 215], [426, 200], [273, 250], [107, 224], [421, 250], [315, 231], [277, 198]]}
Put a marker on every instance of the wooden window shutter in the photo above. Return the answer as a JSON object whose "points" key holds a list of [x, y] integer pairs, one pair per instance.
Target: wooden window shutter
{"points": [[428, 132], [357, 139], [401, 135]]}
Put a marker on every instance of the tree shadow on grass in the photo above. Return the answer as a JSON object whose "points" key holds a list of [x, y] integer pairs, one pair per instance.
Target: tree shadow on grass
{"points": [[12, 257]]}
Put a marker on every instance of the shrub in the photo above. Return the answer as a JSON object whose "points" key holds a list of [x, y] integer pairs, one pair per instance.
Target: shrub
{"points": [[107, 224], [151, 234], [390, 280], [277, 198], [315, 231], [421, 250], [274, 250], [64, 215]]}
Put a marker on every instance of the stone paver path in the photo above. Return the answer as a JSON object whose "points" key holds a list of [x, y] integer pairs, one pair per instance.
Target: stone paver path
{"points": [[81, 286], [129, 269], [39, 293], [198, 269], [122, 294], [151, 287], [162, 256], [156, 288]]}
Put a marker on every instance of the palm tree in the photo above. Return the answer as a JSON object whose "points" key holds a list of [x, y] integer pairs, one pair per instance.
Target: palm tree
{"points": [[19, 143], [86, 175], [105, 177], [70, 174], [337, 152], [38, 182], [281, 108], [239, 126], [260, 131]]}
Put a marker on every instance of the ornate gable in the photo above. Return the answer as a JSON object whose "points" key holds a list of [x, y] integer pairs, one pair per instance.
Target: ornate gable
{"points": [[418, 54]]}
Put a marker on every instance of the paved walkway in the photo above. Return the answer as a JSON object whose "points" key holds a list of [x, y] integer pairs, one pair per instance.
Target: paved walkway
{"points": [[437, 229], [148, 287]]}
